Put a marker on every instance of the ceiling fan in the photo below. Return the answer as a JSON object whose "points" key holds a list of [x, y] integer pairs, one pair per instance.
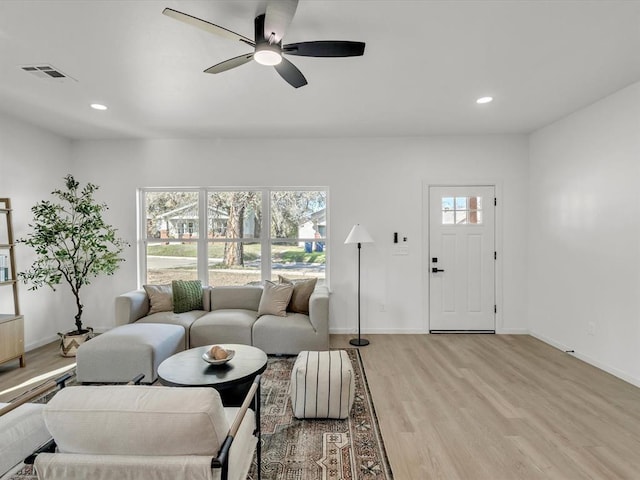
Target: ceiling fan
{"points": [[270, 28]]}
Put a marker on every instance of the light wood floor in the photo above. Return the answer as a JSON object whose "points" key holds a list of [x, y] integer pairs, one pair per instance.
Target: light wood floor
{"points": [[475, 407]]}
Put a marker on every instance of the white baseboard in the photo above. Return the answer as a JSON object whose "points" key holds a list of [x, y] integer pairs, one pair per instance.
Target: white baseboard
{"points": [[39, 343], [512, 331], [591, 361], [374, 331], [413, 331], [54, 338]]}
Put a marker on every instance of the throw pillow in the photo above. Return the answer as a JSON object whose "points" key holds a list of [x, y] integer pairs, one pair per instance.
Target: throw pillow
{"points": [[187, 295], [160, 298], [302, 290], [275, 298]]}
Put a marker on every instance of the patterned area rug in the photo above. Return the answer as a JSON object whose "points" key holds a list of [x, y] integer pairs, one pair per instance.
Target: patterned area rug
{"points": [[293, 449], [319, 449]]}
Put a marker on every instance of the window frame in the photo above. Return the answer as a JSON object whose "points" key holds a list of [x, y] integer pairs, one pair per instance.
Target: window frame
{"points": [[265, 239]]}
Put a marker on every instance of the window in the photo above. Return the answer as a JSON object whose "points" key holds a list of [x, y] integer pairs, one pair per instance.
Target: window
{"points": [[461, 210], [298, 233], [232, 237]]}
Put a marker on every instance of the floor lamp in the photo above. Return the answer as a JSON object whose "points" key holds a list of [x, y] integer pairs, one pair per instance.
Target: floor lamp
{"points": [[358, 235]]}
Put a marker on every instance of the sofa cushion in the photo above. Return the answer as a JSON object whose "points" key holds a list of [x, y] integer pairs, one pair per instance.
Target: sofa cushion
{"points": [[118, 467], [302, 290], [223, 326], [238, 297], [187, 295], [137, 420], [160, 298], [286, 335], [275, 298], [185, 319]]}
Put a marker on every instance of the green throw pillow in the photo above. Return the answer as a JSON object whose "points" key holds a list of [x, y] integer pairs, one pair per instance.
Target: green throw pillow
{"points": [[187, 295]]}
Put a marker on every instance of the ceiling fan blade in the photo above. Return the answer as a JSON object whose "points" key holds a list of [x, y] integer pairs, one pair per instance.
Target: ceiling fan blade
{"points": [[290, 73], [207, 26], [278, 16], [229, 64], [325, 48]]}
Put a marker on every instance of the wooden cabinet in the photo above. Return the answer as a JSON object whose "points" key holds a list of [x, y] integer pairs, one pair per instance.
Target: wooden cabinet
{"points": [[11, 338], [11, 324]]}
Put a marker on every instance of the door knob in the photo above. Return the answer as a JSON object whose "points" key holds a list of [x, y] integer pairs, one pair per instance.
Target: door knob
{"points": [[436, 270]]}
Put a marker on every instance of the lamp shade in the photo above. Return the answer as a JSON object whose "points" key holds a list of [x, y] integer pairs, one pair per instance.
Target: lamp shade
{"points": [[358, 234]]}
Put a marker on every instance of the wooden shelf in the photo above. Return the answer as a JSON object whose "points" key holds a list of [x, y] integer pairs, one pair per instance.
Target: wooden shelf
{"points": [[11, 324], [7, 317]]}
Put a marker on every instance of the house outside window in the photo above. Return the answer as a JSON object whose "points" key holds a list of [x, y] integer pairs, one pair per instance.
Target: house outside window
{"points": [[232, 236]]}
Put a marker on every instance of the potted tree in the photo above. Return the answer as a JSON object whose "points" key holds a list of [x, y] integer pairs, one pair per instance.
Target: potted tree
{"points": [[73, 244]]}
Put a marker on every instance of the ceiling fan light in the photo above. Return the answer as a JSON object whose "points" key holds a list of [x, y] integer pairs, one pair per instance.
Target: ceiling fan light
{"points": [[267, 55]]}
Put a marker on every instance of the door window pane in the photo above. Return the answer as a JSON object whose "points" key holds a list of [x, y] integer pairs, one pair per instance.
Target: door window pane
{"points": [[461, 210]]}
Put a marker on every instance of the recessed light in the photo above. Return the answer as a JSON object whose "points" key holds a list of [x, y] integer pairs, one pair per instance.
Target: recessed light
{"points": [[98, 106], [482, 100]]}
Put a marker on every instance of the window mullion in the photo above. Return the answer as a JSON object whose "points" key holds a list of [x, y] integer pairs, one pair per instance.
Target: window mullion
{"points": [[203, 244], [142, 235], [265, 234]]}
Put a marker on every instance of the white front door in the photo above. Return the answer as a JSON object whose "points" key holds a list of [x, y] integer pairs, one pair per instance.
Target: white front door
{"points": [[462, 258]]}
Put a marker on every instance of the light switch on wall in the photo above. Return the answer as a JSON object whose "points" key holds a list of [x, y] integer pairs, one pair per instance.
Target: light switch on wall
{"points": [[400, 250]]}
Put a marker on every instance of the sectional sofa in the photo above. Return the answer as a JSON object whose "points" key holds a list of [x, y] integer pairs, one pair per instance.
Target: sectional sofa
{"points": [[230, 315]]}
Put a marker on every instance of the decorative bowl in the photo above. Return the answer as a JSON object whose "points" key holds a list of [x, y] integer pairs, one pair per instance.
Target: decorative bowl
{"points": [[207, 358]]}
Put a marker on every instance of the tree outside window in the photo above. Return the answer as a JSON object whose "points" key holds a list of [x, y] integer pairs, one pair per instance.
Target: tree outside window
{"points": [[248, 235]]}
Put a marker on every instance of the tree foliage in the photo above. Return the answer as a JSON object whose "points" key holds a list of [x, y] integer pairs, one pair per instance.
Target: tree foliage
{"points": [[291, 208], [235, 205], [72, 242], [159, 203]]}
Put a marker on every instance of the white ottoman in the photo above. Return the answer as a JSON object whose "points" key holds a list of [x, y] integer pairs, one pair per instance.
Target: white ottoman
{"points": [[120, 354], [322, 385]]}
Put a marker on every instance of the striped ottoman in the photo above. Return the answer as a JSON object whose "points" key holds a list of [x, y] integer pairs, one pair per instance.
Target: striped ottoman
{"points": [[322, 385]]}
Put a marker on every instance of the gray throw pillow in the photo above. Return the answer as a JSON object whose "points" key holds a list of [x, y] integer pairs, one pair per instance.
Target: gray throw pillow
{"points": [[302, 290], [275, 298], [187, 295], [160, 298]]}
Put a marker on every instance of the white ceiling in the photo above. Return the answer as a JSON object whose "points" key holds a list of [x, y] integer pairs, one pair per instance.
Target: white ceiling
{"points": [[424, 65]]}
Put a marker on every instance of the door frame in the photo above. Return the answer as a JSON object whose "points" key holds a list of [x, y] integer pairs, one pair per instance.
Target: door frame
{"points": [[426, 247]]}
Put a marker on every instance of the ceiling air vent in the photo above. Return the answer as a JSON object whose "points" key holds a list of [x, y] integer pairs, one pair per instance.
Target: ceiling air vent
{"points": [[46, 71]]}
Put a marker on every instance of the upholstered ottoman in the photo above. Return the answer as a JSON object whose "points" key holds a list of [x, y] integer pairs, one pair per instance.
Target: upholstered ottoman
{"points": [[120, 354], [322, 385]]}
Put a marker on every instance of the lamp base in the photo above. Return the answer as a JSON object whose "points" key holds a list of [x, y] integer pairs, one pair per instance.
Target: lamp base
{"points": [[359, 342]]}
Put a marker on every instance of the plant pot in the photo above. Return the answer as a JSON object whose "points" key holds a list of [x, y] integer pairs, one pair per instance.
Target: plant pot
{"points": [[70, 341]]}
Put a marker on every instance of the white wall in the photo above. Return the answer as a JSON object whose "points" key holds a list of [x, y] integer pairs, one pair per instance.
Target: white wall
{"points": [[376, 182], [584, 233], [32, 164]]}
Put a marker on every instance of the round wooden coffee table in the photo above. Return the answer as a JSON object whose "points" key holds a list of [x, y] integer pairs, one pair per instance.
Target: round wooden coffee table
{"points": [[232, 380]]}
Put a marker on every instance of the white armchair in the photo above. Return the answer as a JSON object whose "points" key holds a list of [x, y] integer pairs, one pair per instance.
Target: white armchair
{"points": [[124, 432], [22, 428]]}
